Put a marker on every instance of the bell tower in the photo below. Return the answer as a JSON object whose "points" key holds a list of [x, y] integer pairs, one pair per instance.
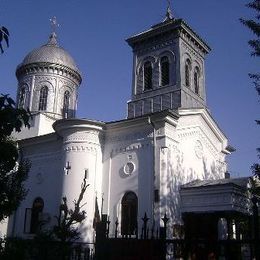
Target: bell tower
{"points": [[168, 68]]}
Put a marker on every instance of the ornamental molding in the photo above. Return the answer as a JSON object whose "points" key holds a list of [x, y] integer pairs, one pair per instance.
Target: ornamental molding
{"points": [[198, 149], [27, 81], [198, 132], [211, 199], [80, 148], [195, 51], [51, 68], [65, 84], [123, 138], [43, 78], [147, 48], [191, 52], [130, 148], [170, 131], [136, 136], [85, 137]]}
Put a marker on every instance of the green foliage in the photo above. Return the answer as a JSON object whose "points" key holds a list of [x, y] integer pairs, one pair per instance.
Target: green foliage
{"points": [[12, 118], [254, 26], [13, 169]]}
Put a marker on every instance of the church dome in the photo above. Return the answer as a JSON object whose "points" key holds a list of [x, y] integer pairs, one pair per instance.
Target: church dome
{"points": [[50, 53]]}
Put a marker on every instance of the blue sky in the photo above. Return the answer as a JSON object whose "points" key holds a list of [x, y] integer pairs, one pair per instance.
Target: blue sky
{"points": [[94, 32]]}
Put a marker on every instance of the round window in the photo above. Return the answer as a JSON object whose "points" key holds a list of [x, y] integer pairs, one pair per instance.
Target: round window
{"points": [[129, 168]]}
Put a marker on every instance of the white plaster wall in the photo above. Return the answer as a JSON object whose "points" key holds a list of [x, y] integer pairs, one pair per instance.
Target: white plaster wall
{"points": [[40, 124], [133, 144], [82, 150], [44, 180], [194, 151]]}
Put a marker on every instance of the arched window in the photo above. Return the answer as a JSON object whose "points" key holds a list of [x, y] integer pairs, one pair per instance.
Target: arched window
{"points": [[37, 209], [129, 214], [165, 73], [66, 104], [148, 75], [21, 101], [43, 98], [187, 72], [196, 80]]}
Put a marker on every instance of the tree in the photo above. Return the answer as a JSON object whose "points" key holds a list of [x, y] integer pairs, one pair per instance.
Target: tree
{"points": [[4, 35], [65, 230], [254, 26], [13, 169]]}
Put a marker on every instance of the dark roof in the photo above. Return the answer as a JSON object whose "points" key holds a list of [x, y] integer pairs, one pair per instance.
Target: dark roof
{"points": [[166, 26], [241, 182]]}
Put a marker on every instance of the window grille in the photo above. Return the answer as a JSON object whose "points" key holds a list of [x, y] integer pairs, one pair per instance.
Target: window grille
{"points": [[43, 98], [196, 81], [187, 72], [21, 102], [148, 75], [165, 73], [66, 104]]}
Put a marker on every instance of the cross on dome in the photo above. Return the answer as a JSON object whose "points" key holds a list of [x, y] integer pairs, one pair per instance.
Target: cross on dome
{"points": [[54, 24], [168, 15], [53, 36]]}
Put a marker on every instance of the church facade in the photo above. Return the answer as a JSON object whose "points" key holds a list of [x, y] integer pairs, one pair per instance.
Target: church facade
{"points": [[133, 166]]}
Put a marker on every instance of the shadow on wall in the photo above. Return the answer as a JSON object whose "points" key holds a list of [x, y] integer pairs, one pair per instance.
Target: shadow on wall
{"points": [[175, 174]]}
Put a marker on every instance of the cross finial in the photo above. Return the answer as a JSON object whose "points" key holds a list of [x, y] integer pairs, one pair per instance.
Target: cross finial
{"points": [[54, 24], [169, 15]]}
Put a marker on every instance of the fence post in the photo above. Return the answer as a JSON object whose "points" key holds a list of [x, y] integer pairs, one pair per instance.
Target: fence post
{"points": [[116, 223], [165, 220], [107, 230], [145, 219]]}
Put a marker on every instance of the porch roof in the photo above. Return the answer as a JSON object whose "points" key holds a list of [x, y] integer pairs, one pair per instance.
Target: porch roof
{"points": [[224, 195]]}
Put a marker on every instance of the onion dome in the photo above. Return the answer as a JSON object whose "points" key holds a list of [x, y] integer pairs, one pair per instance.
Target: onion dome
{"points": [[49, 55]]}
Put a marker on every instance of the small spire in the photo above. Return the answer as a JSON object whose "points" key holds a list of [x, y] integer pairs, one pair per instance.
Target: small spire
{"points": [[168, 15], [53, 39], [53, 36], [54, 24]]}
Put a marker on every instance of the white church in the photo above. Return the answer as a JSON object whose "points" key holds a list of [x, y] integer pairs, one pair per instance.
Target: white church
{"points": [[133, 166]]}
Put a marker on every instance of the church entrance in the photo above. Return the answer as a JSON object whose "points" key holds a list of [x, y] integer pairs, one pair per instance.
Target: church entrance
{"points": [[129, 214]]}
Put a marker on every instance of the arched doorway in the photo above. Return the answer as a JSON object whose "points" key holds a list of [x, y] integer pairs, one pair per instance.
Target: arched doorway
{"points": [[129, 214]]}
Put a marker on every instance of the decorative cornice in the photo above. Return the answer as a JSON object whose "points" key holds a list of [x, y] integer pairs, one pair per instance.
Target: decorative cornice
{"points": [[208, 118], [45, 67], [174, 25], [81, 148]]}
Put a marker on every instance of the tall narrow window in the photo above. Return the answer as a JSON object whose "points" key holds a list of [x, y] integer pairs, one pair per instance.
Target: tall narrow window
{"points": [[66, 104], [165, 73], [43, 98], [37, 209], [21, 101], [148, 76], [187, 72], [129, 214], [196, 80]]}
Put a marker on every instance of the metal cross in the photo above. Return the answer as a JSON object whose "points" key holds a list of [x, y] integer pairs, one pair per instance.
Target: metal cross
{"points": [[67, 168], [54, 24]]}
